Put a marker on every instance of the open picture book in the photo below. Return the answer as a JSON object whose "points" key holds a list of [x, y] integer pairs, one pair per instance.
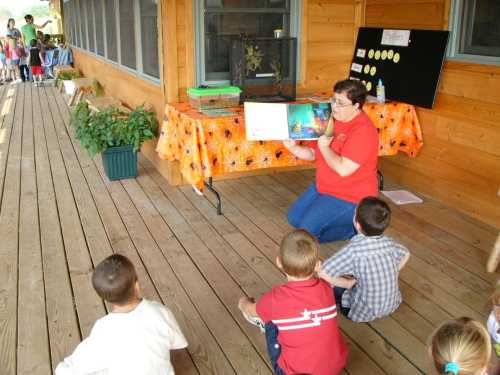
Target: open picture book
{"points": [[279, 121]]}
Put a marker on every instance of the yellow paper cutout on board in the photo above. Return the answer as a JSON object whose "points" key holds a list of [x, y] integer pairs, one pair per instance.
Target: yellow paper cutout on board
{"points": [[366, 69], [377, 55], [384, 54], [371, 53], [396, 57], [390, 54], [368, 86], [373, 70]]}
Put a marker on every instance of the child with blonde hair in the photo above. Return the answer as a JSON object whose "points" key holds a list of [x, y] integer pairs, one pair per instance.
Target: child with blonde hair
{"points": [[494, 331], [461, 347]]}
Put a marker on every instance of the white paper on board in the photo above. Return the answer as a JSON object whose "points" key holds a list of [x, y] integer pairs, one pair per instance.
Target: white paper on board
{"points": [[356, 67], [266, 121], [361, 53], [396, 37]]}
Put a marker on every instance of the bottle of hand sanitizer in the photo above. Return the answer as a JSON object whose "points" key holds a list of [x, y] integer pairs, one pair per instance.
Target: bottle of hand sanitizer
{"points": [[380, 92]]}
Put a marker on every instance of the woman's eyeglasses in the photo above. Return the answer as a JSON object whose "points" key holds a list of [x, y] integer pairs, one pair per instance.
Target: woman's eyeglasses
{"points": [[336, 103]]}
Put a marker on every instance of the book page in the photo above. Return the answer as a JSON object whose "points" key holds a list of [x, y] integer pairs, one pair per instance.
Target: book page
{"points": [[309, 120], [266, 121], [401, 196]]}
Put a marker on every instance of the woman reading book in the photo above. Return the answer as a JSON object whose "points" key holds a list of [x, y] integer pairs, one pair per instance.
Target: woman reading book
{"points": [[346, 167]]}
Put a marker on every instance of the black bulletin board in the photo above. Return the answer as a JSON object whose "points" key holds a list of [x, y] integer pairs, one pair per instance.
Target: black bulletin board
{"points": [[409, 73]]}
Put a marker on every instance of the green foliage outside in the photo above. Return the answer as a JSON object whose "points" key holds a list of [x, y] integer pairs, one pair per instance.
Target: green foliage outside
{"points": [[68, 75], [38, 11], [111, 127]]}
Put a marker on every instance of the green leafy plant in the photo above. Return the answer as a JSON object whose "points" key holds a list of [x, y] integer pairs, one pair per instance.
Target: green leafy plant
{"points": [[253, 57], [112, 127], [68, 75], [97, 88]]}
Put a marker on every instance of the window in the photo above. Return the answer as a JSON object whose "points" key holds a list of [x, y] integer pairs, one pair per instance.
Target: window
{"points": [[149, 38], [475, 31], [127, 33], [110, 22], [66, 21], [99, 34], [76, 23], [122, 31], [83, 25], [90, 25], [219, 21]]}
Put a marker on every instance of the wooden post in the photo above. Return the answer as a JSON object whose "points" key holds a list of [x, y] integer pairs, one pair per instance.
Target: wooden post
{"points": [[494, 258]]}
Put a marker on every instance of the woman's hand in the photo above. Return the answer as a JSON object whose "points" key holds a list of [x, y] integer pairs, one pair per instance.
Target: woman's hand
{"points": [[289, 143], [324, 142]]}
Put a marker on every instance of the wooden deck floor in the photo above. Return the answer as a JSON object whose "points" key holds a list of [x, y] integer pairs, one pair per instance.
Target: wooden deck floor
{"points": [[59, 217]]}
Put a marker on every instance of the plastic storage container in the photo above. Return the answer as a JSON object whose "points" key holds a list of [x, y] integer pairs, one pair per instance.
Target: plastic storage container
{"points": [[214, 97], [380, 92]]}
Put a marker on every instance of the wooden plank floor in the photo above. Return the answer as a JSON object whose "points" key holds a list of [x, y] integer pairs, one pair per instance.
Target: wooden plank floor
{"points": [[59, 216]]}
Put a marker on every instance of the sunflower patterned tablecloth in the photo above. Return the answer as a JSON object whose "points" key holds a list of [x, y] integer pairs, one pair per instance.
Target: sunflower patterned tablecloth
{"points": [[209, 146]]}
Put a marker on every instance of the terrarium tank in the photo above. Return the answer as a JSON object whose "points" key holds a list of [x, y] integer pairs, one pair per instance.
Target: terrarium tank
{"points": [[264, 68]]}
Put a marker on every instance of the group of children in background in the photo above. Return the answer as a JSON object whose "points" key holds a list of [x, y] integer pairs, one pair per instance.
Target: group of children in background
{"points": [[299, 318], [17, 61]]}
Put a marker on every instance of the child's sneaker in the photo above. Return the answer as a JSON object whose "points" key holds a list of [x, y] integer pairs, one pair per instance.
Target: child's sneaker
{"points": [[256, 321]]}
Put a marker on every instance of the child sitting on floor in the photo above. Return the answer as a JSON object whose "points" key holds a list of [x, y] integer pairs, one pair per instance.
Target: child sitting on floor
{"points": [[301, 328], [364, 274], [461, 347], [134, 338]]}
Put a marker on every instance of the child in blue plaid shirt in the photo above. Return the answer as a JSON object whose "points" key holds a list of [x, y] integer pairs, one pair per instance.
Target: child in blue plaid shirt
{"points": [[364, 274]]}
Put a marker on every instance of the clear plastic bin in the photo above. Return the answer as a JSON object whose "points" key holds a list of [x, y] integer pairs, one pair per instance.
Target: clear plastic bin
{"points": [[214, 97]]}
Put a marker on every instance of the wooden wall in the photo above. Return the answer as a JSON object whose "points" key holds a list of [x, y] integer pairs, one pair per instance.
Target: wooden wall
{"points": [[460, 161], [328, 35]]}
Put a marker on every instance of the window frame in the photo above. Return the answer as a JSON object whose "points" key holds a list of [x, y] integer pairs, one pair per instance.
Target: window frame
{"points": [[199, 27], [455, 26], [137, 37]]}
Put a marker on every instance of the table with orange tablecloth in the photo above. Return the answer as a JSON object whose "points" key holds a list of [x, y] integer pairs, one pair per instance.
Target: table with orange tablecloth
{"points": [[209, 146]]}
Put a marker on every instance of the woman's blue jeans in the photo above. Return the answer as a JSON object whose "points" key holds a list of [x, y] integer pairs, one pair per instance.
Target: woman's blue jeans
{"points": [[327, 218]]}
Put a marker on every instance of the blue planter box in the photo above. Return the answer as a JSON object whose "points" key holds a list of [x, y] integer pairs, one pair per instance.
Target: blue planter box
{"points": [[120, 162]]}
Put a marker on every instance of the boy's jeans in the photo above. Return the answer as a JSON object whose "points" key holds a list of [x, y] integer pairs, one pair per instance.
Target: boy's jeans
{"points": [[338, 292], [327, 218], [273, 347]]}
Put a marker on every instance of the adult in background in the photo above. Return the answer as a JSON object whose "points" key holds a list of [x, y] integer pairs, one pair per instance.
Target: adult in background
{"points": [[29, 32], [13, 40], [29, 29], [346, 168]]}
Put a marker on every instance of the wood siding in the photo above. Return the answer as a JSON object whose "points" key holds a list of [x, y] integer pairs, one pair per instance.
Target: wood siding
{"points": [[460, 161]]}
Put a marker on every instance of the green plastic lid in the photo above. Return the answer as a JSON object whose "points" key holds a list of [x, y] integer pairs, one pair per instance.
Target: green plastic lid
{"points": [[213, 90]]}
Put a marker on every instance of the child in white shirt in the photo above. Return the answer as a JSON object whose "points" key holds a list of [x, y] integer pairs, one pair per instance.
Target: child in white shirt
{"points": [[134, 338]]}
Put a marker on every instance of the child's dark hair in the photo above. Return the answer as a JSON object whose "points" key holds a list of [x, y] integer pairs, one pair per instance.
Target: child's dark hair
{"points": [[373, 215], [33, 43], [354, 90], [299, 253], [114, 279]]}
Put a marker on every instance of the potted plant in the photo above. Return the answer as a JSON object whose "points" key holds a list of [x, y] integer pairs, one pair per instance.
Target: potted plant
{"points": [[116, 135]]}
